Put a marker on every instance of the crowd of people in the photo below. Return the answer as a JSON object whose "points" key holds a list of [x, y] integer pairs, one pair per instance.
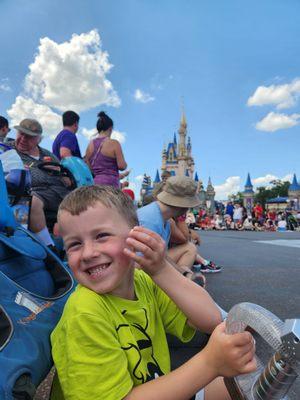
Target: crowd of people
{"points": [[237, 217], [139, 275]]}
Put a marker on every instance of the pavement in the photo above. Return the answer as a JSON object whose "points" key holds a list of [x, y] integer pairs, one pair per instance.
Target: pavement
{"points": [[258, 267]]}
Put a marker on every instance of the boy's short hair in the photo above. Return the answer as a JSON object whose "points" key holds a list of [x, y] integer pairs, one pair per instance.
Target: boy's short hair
{"points": [[70, 118], [84, 197]]}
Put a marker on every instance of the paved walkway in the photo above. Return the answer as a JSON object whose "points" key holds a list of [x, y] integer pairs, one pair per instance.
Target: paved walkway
{"points": [[259, 267]]}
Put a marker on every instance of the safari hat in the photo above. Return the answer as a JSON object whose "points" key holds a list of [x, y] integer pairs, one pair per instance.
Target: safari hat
{"points": [[180, 191], [30, 127]]}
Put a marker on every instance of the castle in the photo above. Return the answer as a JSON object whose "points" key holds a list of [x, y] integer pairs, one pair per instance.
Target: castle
{"points": [[278, 203], [177, 159]]}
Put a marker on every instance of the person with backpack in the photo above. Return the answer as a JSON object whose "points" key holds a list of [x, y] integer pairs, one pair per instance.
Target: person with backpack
{"points": [[48, 187]]}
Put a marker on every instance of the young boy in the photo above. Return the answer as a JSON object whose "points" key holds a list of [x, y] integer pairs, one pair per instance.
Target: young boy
{"points": [[110, 343]]}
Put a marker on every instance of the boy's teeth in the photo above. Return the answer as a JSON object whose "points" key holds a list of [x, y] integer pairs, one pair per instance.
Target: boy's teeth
{"points": [[97, 269]]}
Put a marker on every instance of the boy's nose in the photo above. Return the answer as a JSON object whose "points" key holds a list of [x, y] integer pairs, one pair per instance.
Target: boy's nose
{"points": [[90, 250]]}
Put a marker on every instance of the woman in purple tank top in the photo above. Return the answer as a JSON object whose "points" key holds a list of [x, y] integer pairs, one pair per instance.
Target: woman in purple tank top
{"points": [[104, 155]]}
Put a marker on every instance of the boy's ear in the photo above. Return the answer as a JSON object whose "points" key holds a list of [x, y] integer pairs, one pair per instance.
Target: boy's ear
{"points": [[56, 230]]}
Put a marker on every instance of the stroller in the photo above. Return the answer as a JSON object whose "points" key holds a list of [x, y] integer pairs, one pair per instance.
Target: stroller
{"points": [[34, 286]]}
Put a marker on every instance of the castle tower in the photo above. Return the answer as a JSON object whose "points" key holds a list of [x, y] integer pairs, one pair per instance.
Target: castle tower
{"points": [[294, 193], [157, 179], [182, 151], [164, 159], [146, 187], [210, 197], [248, 195]]}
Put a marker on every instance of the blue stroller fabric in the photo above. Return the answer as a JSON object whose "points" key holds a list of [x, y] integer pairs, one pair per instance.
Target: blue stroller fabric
{"points": [[34, 286], [33, 291], [7, 219], [79, 169]]}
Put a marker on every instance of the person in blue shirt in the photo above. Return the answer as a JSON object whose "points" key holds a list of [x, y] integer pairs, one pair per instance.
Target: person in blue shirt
{"points": [[229, 209], [66, 143]]}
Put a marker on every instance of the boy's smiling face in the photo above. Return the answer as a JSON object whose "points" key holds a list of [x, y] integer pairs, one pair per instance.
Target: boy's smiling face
{"points": [[94, 241]]}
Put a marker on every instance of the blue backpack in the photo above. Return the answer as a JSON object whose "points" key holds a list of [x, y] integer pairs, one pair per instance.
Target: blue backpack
{"points": [[34, 286], [79, 170]]}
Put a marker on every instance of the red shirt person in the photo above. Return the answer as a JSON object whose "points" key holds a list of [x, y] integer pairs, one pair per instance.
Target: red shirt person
{"points": [[258, 211]]}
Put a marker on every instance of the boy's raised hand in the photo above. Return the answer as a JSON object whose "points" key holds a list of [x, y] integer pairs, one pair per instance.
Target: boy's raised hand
{"points": [[150, 247], [230, 355]]}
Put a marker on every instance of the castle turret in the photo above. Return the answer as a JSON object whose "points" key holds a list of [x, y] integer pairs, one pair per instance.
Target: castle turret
{"points": [[248, 195], [164, 159], [189, 147], [157, 179], [182, 152], [294, 193], [210, 197]]}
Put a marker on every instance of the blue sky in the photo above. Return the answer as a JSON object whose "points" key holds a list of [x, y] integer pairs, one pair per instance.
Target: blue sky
{"points": [[235, 64]]}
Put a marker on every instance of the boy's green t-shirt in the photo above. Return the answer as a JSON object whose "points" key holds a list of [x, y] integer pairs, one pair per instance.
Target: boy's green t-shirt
{"points": [[104, 345]]}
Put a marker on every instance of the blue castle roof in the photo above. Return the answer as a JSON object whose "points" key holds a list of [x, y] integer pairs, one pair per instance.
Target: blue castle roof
{"points": [[294, 186], [171, 146], [248, 185], [196, 177], [157, 178]]}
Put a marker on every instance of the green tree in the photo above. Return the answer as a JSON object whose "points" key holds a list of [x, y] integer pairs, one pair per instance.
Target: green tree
{"points": [[236, 197], [278, 188]]}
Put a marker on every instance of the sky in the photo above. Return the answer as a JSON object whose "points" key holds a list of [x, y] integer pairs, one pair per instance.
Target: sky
{"points": [[234, 65]]}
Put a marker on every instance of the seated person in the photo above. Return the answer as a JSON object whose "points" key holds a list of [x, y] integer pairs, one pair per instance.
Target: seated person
{"points": [[269, 225], [176, 196], [111, 342], [229, 224], [247, 224], [180, 234], [282, 225], [48, 189], [190, 220], [219, 222]]}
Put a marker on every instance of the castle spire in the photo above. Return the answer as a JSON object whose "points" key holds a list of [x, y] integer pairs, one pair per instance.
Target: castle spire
{"points": [[248, 185], [157, 178], [183, 118], [294, 185], [175, 140]]}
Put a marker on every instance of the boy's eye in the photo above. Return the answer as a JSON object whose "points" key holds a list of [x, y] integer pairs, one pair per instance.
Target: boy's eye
{"points": [[102, 235], [72, 246]]}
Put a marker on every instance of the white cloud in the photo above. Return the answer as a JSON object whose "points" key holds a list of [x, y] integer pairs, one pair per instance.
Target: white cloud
{"points": [[230, 186], [139, 178], [88, 133], [4, 86], [68, 75], [119, 136], [71, 75], [275, 121], [233, 184], [24, 107], [288, 177], [282, 96], [91, 134], [264, 180], [268, 178], [143, 97]]}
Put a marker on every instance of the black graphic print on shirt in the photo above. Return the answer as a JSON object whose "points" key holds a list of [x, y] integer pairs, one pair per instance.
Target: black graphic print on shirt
{"points": [[140, 354]]}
